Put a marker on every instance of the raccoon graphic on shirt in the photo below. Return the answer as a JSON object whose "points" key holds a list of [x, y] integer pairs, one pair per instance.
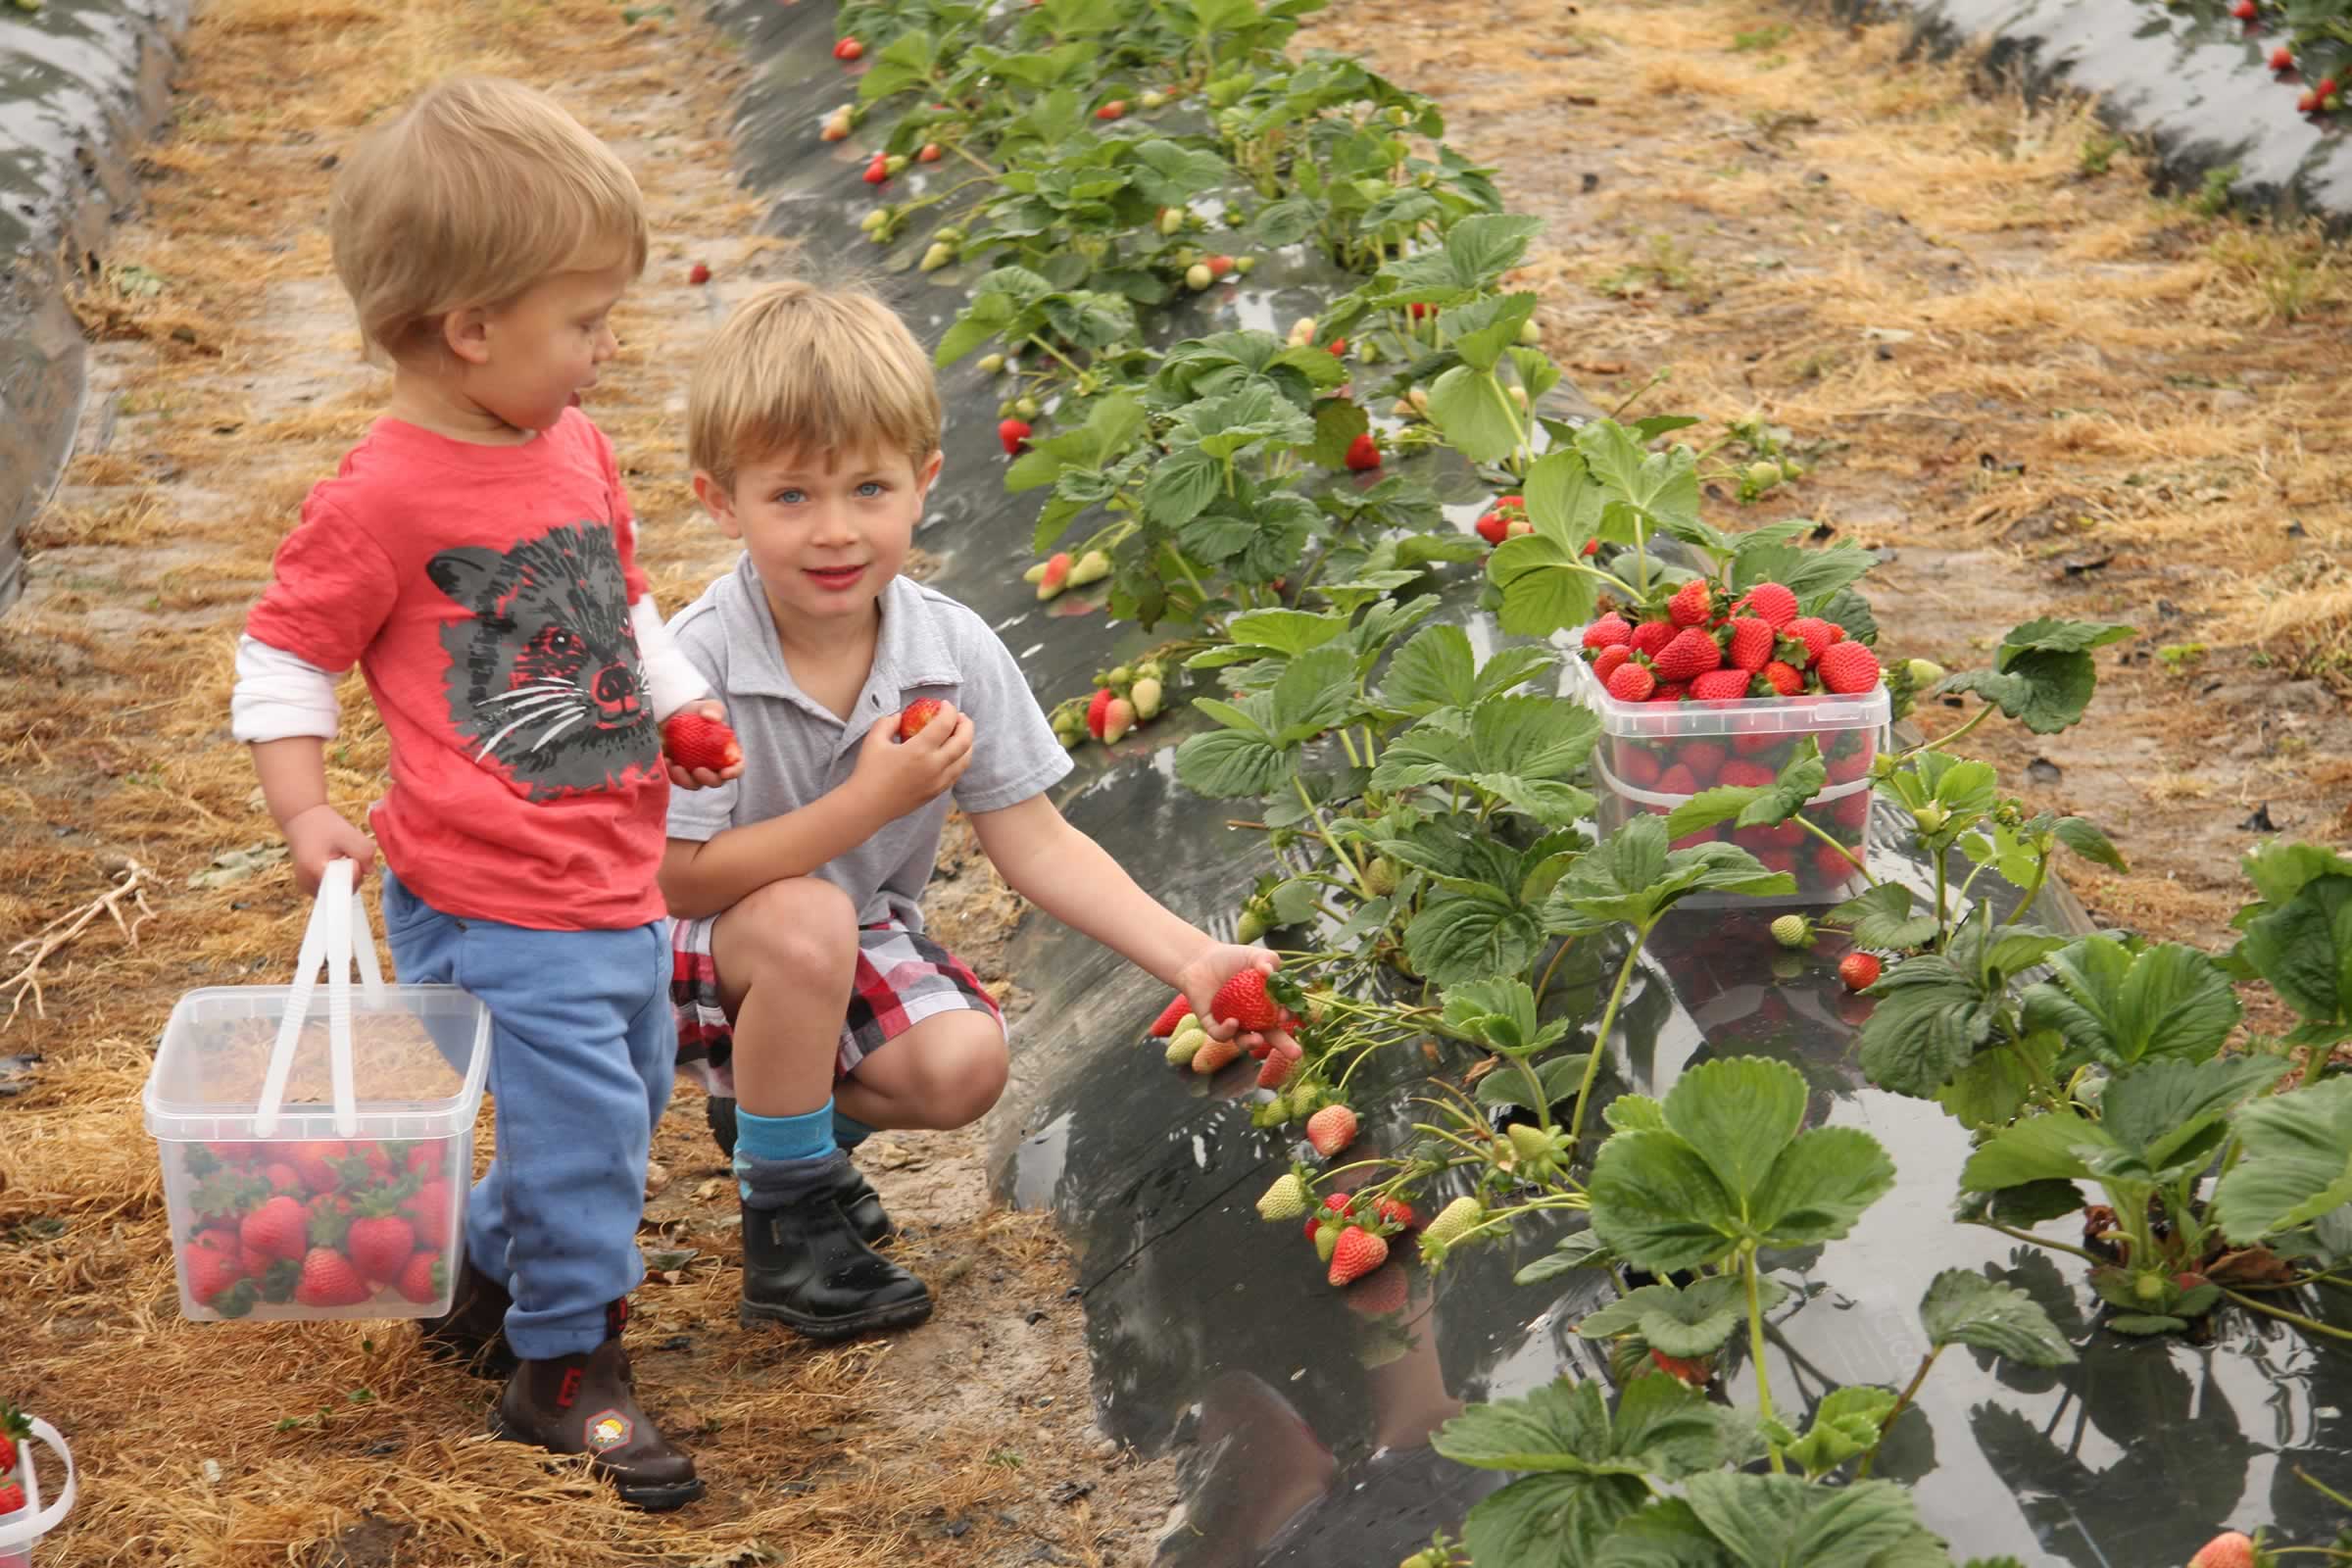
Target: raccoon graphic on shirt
{"points": [[544, 676]]}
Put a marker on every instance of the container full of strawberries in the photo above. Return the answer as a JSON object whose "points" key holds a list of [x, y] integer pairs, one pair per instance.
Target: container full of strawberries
{"points": [[317, 1140], [26, 1516], [1714, 687]]}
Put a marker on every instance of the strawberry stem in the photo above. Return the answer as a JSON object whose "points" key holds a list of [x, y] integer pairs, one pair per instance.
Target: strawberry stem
{"points": [[1903, 1403], [2310, 1324], [1755, 1351], [1355, 874], [1827, 838], [1601, 1038]]}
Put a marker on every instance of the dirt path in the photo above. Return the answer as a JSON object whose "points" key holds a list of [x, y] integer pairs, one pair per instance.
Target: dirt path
{"points": [[228, 382], [2045, 391]]}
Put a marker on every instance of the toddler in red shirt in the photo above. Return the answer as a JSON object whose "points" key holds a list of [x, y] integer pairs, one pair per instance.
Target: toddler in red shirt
{"points": [[475, 557]]}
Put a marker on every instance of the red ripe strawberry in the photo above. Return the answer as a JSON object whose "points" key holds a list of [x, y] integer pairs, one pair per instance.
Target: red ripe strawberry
{"points": [[1672, 691], [1750, 642], [848, 49], [1703, 758], [1831, 865], [1358, 1254], [2282, 59], [919, 714], [1338, 348], [426, 1158], [1218, 265], [1174, 1014], [1277, 1069], [1778, 860], [1847, 668], [1692, 1370], [1651, 636], [1243, 1000], [283, 1178], [221, 1238], [877, 173], [380, 1244], [316, 1163], [1721, 685], [2245, 10], [1638, 765], [1678, 780], [1632, 683], [1336, 1205], [423, 1278], [209, 1271], [1692, 605], [931, 153], [430, 1214], [1363, 453], [1786, 679], [1609, 631], [2309, 102], [698, 274], [1859, 970], [1852, 811], [1770, 603], [237, 1153], [2327, 87], [1097, 709], [1014, 434], [1331, 1129], [1609, 660], [1493, 526], [692, 740], [279, 1228], [1692, 652], [1692, 840], [1815, 635], [1393, 1211], [1745, 774], [2229, 1550], [12, 1498], [330, 1280], [1113, 110]]}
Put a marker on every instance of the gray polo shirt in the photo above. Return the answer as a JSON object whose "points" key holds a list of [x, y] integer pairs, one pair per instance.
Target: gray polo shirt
{"points": [[796, 749]]}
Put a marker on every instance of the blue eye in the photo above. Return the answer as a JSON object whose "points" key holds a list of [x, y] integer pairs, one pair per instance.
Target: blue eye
{"points": [[870, 488]]}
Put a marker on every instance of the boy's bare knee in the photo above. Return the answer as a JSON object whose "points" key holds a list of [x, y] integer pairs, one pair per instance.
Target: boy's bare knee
{"points": [[967, 1078], [800, 930]]}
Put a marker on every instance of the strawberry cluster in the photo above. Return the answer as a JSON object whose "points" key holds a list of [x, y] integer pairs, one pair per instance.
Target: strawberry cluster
{"points": [[14, 1428], [1703, 645], [1124, 697], [2321, 93], [319, 1224]]}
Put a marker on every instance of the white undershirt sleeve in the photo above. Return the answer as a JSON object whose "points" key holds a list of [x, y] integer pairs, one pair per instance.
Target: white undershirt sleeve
{"points": [[671, 679], [278, 696]]}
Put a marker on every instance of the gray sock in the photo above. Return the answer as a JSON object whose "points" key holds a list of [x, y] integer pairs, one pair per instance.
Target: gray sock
{"points": [[784, 1183]]}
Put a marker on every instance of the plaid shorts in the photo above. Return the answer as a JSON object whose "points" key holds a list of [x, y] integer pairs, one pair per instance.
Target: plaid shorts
{"points": [[903, 978]]}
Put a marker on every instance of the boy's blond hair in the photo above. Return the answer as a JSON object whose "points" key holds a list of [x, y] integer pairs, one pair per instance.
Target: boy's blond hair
{"points": [[802, 369], [480, 189]]}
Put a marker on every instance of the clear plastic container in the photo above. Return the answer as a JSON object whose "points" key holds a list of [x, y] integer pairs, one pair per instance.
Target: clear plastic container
{"points": [[21, 1529], [1652, 757], [318, 1145]]}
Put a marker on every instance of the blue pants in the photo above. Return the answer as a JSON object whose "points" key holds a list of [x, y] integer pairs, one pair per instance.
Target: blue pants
{"points": [[584, 1052]]}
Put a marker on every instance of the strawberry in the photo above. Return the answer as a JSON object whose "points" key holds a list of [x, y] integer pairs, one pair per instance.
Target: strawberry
{"points": [[698, 274], [1277, 1070], [1363, 453], [1745, 774], [1014, 434], [317, 1163], [236, 1153], [1651, 636], [1493, 528], [1357, 1255], [1632, 683], [1393, 1211], [1691, 604], [1285, 1200], [1678, 780], [1769, 602], [848, 49], [2245, 10], [1331, 1129], [1243, 1000], [1215, 1054], [1705, 759], [1118, 717], [279, 1228], [1750, 642], [1692, 1370], [2309, 102], [1609, 631], [1831, 865], [2282, 59], [12, 1500], [1609, 660], [1097, 708], [209, 1271], [1639, 766], [1852, 811], [423, 1278], [878, 171], [919, 714], [430, 1214], [1692, 652], [1336, 1205], [1814, 634], [1174, 1014], [931, 154], [1672, 691], [1115, 110], [1859, 970], [1338, 348], [2229, 1550], [1456, 1217], [1848, 667], [1720, 686], [1219, 266], [283, 1178], [692, 740], [1793, 931], [1787, 680], [330, 1280]]}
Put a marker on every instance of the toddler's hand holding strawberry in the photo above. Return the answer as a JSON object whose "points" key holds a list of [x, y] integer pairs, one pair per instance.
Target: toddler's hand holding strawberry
{"points": [[698, 748], [321, 834]]}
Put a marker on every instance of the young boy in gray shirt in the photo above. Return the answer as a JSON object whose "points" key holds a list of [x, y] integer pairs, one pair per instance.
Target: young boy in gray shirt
{"points": [[800, 971]]}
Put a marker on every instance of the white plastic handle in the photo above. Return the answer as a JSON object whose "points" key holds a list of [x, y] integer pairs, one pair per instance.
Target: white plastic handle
{"points": [[338, 936], [36, 1521]]}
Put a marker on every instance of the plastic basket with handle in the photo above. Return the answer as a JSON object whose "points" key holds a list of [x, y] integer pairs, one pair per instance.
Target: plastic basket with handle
{"points": [[317, 1140], [21, 1530]]}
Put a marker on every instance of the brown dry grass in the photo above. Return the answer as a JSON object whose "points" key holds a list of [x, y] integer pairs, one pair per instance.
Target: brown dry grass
{"points": [[218, 400]]}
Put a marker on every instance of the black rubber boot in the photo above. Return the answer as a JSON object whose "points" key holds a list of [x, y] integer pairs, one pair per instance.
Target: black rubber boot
{"points": [[473, 1333], [855, 1195], [587, 1403], [805, 1266]]}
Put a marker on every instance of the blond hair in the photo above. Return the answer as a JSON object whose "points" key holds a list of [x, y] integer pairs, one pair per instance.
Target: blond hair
{"points": [[804, 369], [479, 191]]}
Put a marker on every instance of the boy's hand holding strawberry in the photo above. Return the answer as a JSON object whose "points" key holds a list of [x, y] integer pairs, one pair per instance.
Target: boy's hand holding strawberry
{"points": [[1221, 974], [698, 748], [896, 777]]}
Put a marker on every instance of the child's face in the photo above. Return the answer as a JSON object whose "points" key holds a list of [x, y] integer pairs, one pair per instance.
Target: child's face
{"points": [[826, 534], [529, 361]]}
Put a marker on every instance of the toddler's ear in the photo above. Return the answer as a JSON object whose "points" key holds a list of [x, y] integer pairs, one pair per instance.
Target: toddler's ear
{"points": [[717, 499]]}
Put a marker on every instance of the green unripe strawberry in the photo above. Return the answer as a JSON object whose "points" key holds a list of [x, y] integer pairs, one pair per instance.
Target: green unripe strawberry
{"points": [[938, 256], [1380, 877], [1462, 1214], [1763, 473], [1529, 333], [1245, 264], [1793, 931], [1197, 276], [1025, 407], [1285, 1200], [991, 363], [1924, 672]]}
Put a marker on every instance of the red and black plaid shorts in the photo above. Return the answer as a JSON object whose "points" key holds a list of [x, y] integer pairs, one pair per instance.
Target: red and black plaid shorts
{"points": [[903, 978]]}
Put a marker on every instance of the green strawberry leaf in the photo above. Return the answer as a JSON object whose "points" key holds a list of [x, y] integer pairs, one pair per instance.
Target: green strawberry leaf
{"points": [[1881, 918], [1987, 1095], [2056, 1146], [2043, 674], [1457, 939], [2116, 1002], [1475, 415], [1774, 1520], [1846, 1425], [1662, 486], [1757, 805], [2086, 839], [2158, 1110], [1931, 1017], [1677, 1322], [2296, 1166], [2303, 947], [1963, 1307], [1482, 329]]}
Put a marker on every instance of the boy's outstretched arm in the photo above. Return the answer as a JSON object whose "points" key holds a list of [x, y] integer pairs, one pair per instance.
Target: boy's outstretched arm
{"points": [[1072, 878]]}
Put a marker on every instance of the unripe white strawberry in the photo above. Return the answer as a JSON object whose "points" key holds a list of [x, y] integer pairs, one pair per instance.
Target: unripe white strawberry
{"points": [[1146, 695], [1117, 719]]}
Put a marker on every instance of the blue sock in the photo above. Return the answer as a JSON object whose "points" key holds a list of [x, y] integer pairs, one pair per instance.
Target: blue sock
{"points": [[849, 1132], [768, 1140]]}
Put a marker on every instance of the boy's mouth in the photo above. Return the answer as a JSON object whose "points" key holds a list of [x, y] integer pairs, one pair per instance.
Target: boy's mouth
{"points": [[834, 577]]}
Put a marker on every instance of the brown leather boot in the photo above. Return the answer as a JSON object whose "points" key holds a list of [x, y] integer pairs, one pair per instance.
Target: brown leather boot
{"points": [[473, 1333], [587, 1403]]}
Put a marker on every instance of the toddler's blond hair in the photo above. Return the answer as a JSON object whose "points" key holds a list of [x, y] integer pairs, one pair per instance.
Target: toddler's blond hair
{"points": [[479, 191], [800, 369]]}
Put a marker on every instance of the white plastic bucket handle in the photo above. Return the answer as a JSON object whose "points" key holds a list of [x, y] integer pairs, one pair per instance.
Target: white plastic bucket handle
{"points": [[25, 1528], [330, 940]]}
